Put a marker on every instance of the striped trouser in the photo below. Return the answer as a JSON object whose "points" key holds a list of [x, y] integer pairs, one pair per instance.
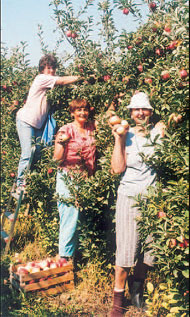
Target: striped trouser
{"points": [[128, 246]]}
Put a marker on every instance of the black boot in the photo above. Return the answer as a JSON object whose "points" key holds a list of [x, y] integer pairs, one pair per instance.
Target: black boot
{"points": [[118, 304], [137, 293]]}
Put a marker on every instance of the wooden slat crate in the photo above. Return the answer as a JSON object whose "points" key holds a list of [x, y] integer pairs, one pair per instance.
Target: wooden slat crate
{"points": [[49, 282]]}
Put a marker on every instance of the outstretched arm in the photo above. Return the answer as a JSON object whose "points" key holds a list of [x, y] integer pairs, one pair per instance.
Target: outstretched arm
{"points": [[66, 80]]}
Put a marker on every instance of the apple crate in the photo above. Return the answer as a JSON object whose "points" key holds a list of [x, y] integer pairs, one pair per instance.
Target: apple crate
{"points": [[50, 281]]}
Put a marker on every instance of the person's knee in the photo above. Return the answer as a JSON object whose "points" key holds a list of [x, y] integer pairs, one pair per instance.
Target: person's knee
{"points": [[121, 271]]}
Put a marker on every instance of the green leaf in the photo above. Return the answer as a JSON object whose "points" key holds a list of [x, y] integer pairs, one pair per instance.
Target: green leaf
{"points": [[150, 287], [186, 273]]}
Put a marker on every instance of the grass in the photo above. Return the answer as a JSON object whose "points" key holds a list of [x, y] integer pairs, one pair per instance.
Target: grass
{"points": [[92, 296]]}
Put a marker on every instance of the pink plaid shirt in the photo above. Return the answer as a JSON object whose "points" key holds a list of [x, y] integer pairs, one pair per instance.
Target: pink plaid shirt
{"points": [[80, 151]]}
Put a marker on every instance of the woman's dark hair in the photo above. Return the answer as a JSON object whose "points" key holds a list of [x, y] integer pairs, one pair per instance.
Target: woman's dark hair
{"points": [[79, 103], [47, 60]]}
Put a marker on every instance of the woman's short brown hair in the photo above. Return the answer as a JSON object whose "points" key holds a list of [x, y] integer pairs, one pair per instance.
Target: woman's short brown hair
{"points": [[79, 103], [47, 60]]}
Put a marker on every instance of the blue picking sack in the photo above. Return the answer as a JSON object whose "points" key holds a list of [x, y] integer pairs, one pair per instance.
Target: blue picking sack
{"points": [[49, 130]]}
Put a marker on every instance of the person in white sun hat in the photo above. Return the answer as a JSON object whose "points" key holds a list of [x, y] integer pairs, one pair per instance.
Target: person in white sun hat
{"points": [[137, 176]]}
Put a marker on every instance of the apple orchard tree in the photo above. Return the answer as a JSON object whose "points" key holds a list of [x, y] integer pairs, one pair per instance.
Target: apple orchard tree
{"points": [[153, 59]]}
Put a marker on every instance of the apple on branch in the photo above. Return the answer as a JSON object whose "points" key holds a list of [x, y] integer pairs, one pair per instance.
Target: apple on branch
{"points": [[126, 11], [165, 75], [152, 6]]}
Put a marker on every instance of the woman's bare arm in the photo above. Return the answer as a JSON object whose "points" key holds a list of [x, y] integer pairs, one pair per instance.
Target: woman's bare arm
{"points": [[66, 80], [59, 149], [118, 160]]}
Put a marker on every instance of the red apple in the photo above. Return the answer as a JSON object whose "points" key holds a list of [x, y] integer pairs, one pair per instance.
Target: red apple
{"points": [[63, 138], [54, 265], [140, 68], [139, 41], [183, 73], [81, 69], [125, 11], [158, 52], [161, 214], [4, 87], [4, 152], [12, 174], [172, 45], [15, 102], [22, 270], [32, 264], [148, 80], [129, 47], [152, 6], [74, 35], [172, 243], [178, 118], [167, 28], [165, 75], [186, 243], [107, 77], [35, 269], [114, 120], [125, 124], [154, 29], [68, 33], [155, 26], [44, 264], [120, 130], [50, 170], [62, 262]]}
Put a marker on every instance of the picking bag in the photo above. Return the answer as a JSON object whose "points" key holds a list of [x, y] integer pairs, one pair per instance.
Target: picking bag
{"points": [[49, 130]]}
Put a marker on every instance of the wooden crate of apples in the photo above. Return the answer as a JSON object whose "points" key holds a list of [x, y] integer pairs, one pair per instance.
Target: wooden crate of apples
{"points": [[49, 276]]}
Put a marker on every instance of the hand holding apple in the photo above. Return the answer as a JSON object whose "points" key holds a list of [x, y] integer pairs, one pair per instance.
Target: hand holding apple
{"points": [[62, 138], [175, 118], [120, 129]]}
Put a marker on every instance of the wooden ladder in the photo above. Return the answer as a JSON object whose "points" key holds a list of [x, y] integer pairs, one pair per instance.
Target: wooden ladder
{"points": [[12, 216]]}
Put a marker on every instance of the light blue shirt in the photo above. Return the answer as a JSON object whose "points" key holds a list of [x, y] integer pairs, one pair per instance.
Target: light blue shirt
{"points": [[138, 175]]}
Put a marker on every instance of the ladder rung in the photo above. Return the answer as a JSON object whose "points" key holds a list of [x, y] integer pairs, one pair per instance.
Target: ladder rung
{"points": [[4, 236], [9, 215]]}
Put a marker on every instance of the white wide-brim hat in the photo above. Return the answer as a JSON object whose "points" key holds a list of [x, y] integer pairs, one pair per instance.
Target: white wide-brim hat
{"points": [[140, 100]]}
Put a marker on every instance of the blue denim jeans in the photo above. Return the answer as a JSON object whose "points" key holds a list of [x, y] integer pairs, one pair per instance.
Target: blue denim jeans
{"points": [[28, 136], [68, 219]]}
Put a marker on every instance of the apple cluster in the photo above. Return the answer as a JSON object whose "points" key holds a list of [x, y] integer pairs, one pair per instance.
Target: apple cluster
{"points": [[122, 125]]}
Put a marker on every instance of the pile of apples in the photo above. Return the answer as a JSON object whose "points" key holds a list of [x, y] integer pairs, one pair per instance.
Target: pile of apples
{"points": [[43, 265], [122, 124]]}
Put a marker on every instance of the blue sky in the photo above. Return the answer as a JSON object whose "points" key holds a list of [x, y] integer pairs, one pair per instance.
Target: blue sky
{"points": [[20, 19]]}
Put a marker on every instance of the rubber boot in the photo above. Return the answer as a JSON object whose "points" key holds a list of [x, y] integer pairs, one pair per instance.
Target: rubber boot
{"points": [[137, 294], [118, 304]]}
